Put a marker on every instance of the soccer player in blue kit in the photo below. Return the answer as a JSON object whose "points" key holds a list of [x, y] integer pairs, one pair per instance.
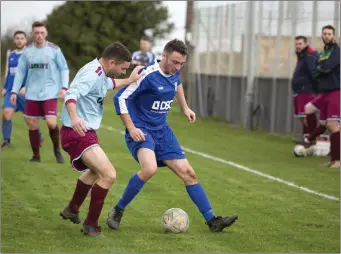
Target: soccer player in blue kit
{"points": [[143, 108], [19, 41]]}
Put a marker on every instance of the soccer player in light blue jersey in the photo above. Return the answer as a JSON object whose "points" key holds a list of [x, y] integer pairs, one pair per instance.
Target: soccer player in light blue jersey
{"points": [[47, 79], [9, 109], [143, 108], [81, 117]]}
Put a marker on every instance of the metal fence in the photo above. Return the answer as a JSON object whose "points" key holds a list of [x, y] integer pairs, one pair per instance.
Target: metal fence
{"points": [[244, 58]]}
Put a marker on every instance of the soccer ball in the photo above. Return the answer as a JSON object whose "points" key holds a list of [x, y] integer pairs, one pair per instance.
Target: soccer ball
{"points": [[299, 151], [175, 220]]}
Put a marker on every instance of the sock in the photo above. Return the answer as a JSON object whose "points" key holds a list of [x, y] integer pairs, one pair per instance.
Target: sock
{"points": [[317, 132], [54, 134], [311, 120], [79, 196], [7, 130], [98, 195], [305, 129], [35, 142], [41, 135], [199, 197], [134, 186], [335, 146]]}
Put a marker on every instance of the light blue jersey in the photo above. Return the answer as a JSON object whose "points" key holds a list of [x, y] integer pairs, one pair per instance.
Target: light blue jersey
{"points": [[88, 90], [150, 99], [47, 72]]}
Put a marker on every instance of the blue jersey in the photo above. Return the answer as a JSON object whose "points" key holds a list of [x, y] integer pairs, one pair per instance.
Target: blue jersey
{"points": [[149, 100], [143, 59], [47, 72], [88, 90], [13, 61]]}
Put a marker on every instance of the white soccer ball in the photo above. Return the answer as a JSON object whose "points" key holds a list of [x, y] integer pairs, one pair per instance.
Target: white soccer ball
{"points": [[175, 220], [299, 151]]}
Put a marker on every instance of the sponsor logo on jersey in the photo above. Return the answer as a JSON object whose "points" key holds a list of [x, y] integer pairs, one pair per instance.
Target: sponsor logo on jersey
{"points": [[162, 106], [39, 66]]}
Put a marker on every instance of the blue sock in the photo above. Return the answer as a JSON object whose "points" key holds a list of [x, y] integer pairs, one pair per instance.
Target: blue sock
{"points": [[199, 197], [7, 130], [133, 188], [41, 135]]}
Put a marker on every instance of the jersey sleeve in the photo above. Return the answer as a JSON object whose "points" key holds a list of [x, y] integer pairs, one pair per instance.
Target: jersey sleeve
{"points": [[63, 68], [81, 85], [21, 73], [111, 84], [128, 93]]}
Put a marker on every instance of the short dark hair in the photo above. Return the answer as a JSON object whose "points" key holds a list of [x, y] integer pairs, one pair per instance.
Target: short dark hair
{"points": [[329, 27], [301, 37], [19, 32], [117, 52], [177, 46], [146, 38], [38, 24]]}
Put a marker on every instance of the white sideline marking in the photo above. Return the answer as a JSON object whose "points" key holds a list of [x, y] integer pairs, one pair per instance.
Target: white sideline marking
{"points": [[241, 167]]}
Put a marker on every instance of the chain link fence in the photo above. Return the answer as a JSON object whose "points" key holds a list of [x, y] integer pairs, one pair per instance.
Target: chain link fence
{"points": [[244, 53]]}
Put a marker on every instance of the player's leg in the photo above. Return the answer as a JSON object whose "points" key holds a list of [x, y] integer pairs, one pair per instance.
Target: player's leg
{"points": [[8, 111], [32, 113], [333, 125], [143, 152], [311, 120], [50, 108]]}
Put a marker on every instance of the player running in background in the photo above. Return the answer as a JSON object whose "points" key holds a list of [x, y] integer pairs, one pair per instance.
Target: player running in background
{"points": [[143, 57], [143, 108], [19, 41], [81, 117], [302, 83], [327, 75], [47, 79]]}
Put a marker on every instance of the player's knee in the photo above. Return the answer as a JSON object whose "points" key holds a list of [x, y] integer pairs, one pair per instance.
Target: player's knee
{"points": [[32, 123], [51, 123], [309, 108], [147, 172], [109, 176], [189, 177], [7, 114], [333, 126]]}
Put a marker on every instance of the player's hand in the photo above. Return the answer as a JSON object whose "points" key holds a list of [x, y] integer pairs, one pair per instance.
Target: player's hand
{"points": [[78, 125], [22, 91], [62, 93], [134, 76], [14, 99], [190, 115], [3, 92], [137, 135]]}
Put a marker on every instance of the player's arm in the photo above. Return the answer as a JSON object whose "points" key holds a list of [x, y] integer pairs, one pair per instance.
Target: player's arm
{"points": [[120, 102], [311, 62], [63, 68], [81, 86], [183, 104], [329, 64]]}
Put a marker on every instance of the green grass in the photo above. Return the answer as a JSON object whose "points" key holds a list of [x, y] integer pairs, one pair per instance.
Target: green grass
{"points": [[273, 217]]}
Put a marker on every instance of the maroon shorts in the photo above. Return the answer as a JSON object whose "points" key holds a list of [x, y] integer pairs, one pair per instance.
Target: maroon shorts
{"points": [[329, 106], [300, 101], [48, 108], [76, 145]]}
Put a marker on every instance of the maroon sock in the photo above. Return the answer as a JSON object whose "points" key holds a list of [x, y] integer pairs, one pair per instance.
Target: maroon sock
{"points": [[79, 196], [335, 146], [305, 129], [317, 132], [311, 120], [54, 135], [98, 195], [35, 142]]}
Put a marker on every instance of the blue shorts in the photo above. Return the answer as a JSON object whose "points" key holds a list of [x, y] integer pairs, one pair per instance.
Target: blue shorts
{"points": [[20, 102], [163, 142]]}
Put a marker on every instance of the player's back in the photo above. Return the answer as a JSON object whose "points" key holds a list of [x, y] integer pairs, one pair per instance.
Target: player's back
{"points": [[88, 89], [43, 66], [149, 101], [13, 61]]}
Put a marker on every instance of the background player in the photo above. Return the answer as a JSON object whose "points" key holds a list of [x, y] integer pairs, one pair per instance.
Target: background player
{"points": [[328, 84], [81, 117], [302, 83], [47, 79], [143, 108], [19, 41], [143, 57]]}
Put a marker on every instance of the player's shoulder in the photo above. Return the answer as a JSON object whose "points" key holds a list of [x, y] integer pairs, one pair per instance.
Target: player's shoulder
{"points": [[52, 45], [92, 70]]}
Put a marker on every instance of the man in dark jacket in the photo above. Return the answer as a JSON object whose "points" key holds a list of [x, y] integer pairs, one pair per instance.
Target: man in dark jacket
{"points": [[302, 83], [327, 75]]}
